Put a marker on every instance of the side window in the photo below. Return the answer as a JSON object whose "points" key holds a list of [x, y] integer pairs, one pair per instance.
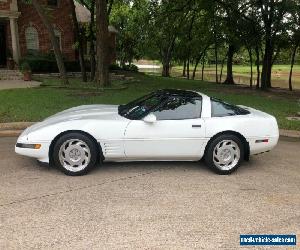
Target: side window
{"points": [[221, 109], [140, 109], [179, 108]]}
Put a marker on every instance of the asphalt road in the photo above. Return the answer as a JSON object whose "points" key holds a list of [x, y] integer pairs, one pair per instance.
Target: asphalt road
{"points": [[147, 205]]}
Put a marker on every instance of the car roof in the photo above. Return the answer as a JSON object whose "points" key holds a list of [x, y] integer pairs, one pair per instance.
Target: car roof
{"points": [[179, 92]]}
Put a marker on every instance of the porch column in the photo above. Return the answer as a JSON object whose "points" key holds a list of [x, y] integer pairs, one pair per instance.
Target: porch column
{"points": [[15, 39]]}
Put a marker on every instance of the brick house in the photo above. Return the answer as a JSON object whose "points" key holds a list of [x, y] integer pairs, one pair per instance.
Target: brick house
{"points": [[22, 30]]}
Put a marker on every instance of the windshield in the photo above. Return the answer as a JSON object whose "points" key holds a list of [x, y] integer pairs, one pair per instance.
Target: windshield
{"points": [[139, 108]]}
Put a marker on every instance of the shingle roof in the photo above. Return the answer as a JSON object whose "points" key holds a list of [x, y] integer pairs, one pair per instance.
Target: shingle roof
{"points": [[84, 16], [82, 13]]}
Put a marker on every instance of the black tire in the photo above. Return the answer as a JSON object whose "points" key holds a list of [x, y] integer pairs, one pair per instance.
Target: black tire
{"points": [[209, 154], [89, 145]]}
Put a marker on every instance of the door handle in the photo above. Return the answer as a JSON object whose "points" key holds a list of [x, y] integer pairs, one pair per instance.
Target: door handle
{"points": [[196, 126]]}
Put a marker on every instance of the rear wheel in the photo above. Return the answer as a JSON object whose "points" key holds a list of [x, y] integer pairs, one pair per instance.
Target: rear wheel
{"points": [[75, 154], [224, 154]]}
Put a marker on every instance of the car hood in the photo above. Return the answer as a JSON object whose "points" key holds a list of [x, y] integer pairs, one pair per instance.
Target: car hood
{"points": [[86, 112], [102, 112]]}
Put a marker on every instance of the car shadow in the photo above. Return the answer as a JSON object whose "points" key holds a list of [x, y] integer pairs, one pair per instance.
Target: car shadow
{"points": [[152, 166], [149, 165]]}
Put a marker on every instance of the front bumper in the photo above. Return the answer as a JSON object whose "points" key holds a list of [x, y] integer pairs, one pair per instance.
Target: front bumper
{"points": [[26, 149]]}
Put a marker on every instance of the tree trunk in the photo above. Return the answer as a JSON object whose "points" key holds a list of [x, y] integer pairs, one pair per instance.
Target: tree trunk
{"points": [[266, 74], [102, 75], [216, 59], [92, 43], [257, 67], [56, 47], [189, 45], [184, 69], [216, 46], [188, 69], [292, 66], [266, 70], [222, 67], [251, 67], [166, 61], [195, 68], [166, 69], [201, 56], [203, 65], [79, 39], [230, 53]]}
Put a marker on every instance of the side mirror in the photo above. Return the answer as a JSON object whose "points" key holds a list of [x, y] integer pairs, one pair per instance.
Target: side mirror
{"points": [[151, 118]]}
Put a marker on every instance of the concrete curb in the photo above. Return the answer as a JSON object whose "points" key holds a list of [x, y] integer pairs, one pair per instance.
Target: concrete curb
{"points": [[15, 129], [15, 125], [10, 133], [290, 133]]}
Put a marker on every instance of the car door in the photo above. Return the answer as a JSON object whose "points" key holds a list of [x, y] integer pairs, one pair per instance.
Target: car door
{"points": [[177, 134]]}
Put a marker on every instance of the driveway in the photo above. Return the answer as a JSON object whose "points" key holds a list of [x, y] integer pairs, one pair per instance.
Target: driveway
{"points": [[147, 205], [18, 84]]}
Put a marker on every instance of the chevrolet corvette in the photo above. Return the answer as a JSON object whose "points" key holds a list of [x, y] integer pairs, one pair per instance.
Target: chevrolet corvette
{"points": [[166, 125]]}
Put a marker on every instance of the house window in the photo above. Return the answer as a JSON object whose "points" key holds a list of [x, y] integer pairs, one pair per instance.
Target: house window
{"points": [[32, 39], [52, 3]]}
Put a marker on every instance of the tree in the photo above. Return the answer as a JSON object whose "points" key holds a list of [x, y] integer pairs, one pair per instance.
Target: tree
{"points": [[272, 14], [295, 38], [231, 18], [269, 18], [230, 53], [193, 38], [201, 38], [250, 36], [79, 41], [216, 39], [131, 21], [58, 54], [165, 26], [102, 70], [91, 30], [92, 39], [90, 5]]}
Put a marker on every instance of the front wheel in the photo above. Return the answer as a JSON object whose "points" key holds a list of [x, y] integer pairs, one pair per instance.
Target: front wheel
{"points": [[75, 154], [224, 154]]}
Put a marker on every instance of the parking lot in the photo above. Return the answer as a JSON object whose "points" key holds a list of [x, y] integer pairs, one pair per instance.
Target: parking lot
{"points": [[181, 205]]}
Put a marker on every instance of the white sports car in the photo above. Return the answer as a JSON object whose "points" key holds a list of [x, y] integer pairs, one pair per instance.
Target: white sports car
{"points": [[166, 125]]}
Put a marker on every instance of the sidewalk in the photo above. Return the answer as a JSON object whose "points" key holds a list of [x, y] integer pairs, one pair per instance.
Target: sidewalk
{"points": [[15, 129], [18, 84]]}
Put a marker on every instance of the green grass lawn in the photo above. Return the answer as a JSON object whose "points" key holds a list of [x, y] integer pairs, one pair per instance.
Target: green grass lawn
{"points": [[241, 73], [37, 103], [245, 69]]}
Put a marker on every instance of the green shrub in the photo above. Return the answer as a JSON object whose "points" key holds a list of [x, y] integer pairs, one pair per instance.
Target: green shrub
{"points": [[25, 67], [114, 67], [46, 63], [131, 67]]}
